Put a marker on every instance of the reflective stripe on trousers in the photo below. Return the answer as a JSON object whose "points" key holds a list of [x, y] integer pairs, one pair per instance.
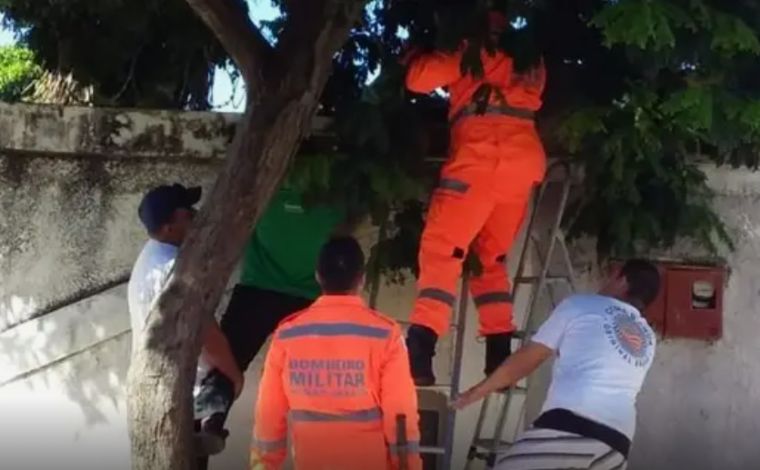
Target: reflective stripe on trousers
{"points": [[492, 298], [438, 294]]}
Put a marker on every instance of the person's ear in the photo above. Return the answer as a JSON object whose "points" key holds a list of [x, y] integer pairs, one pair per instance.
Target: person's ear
{"points": [[620, 284]]}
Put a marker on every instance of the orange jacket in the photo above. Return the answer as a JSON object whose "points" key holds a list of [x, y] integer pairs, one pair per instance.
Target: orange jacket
{"points": [[434, 70], [340, 372]]}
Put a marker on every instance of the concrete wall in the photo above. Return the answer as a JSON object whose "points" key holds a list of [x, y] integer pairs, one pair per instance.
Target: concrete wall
{"points": [[699, 408], [70, 182]]}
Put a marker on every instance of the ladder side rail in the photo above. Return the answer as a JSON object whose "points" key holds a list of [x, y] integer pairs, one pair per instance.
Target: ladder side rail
{"points": [[556, 238], [472, 452], [520, 273], [456, 372]]}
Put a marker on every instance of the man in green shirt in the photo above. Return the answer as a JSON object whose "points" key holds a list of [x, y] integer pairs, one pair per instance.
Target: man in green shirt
{"points": [[277, 280]]}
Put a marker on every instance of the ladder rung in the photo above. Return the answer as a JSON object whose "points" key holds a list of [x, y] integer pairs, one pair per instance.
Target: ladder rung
{"points": [[519, 335], [447, 388], [534, 279], [487, 444], [436, 387], [432, 450], [515, 389]]}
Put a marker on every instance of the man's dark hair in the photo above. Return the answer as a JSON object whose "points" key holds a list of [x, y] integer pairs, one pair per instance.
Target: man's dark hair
{"points": [[643, 281], [340, 265]]}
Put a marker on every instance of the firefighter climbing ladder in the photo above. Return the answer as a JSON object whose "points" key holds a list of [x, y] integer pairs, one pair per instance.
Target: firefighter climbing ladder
{"points": [[485, 447]]}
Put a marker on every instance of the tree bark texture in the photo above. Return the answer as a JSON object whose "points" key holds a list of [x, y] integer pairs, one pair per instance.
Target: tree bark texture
{"points": [[285, 85]]}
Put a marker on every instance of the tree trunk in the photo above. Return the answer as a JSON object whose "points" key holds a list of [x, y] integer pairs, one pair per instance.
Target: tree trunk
{"points": [[159, 388]]}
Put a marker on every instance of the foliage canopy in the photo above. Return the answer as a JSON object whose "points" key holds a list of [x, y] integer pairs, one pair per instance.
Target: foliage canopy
{"points": [[639, 93], [18, 70]]}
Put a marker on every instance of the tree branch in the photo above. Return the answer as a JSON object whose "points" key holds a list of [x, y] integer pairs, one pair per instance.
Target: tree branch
{"points": [[239, 37]]}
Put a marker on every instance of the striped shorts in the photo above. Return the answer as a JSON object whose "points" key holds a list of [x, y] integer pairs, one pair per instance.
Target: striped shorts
{"points": [[547, 449]]}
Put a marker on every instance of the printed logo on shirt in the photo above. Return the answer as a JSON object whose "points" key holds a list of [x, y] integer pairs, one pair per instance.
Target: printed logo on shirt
{"points": [[295, 208], [327, 377], [629, 338]]}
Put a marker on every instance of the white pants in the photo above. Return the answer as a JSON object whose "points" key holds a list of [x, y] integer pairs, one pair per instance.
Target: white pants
{"points": [[548, 449]]}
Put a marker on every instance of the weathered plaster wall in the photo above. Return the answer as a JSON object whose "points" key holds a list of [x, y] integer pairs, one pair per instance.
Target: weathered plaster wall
{"points": [[70, 225], [69, 222], [70, 183], [700, 406], [68, 196]]}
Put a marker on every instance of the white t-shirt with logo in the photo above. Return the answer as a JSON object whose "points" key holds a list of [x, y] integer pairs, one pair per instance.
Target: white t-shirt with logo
{"points": [[604, 350]]}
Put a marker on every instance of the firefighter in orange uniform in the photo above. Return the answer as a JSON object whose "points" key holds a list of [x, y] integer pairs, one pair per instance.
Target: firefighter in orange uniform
{"points": [[496, 159], [340, 372]]}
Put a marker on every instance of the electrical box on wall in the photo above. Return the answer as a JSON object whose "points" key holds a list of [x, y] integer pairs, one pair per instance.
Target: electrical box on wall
{"points": [[690, 301]]}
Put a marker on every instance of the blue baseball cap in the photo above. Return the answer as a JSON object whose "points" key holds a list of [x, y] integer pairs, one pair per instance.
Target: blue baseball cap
{"points": [[158, 205]]}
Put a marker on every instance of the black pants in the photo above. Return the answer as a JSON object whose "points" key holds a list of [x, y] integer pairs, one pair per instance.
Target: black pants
{"points": [[251, 316]]}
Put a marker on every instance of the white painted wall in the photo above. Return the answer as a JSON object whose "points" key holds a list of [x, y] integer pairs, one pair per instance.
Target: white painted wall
{"points": [[62, 388]]}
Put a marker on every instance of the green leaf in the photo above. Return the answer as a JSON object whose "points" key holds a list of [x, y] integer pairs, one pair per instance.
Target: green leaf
{"points": [[641, 23], [731, 35], [580, 125], [18, 69], [690, 108]]}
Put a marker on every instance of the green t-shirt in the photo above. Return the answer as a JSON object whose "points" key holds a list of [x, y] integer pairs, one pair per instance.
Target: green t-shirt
{"points": [[282, 253]]}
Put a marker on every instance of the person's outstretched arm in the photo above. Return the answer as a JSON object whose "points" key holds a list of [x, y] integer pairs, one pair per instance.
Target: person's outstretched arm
{"points": [[269, 446], [398, 396], [216, 352], [527, 359], [517, 366]]}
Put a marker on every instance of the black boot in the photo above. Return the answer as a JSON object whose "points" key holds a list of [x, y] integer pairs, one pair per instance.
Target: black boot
{"points": [[498, 349], [420, 341]]}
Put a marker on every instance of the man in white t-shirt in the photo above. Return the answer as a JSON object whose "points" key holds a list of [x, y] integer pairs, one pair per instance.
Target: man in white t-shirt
{"points": [[167, 213], [604, 348]]}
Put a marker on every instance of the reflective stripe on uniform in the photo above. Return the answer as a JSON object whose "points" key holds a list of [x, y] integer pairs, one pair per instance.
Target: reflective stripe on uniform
{"points": [[410, 447], [334, 329], [438, 294], [492, 298], [471, 110], [269, 446], [458, 186], [359, 416]]}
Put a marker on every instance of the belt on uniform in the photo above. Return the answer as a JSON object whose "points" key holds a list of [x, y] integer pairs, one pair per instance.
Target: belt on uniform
{"points": [[500, 110], [563, 420]]}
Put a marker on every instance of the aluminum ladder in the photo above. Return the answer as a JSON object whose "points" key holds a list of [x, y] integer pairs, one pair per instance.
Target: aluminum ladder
{"points": [[482, 448], [444, 451], [485, 446]]}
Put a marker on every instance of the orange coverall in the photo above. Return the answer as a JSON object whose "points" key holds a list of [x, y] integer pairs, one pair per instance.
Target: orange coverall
{"points": [[340, 372], [495, 161]]}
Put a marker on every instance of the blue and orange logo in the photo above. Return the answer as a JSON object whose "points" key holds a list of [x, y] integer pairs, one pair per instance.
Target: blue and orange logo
{"points": [[629, 337]]}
